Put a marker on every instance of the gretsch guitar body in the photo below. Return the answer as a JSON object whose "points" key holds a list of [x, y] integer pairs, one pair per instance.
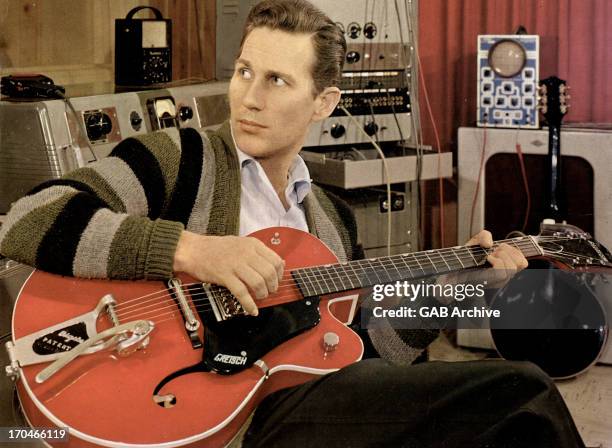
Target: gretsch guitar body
{"points": [[107, 400]]}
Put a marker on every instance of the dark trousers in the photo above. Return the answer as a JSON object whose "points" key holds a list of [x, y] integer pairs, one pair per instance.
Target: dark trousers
{"points": [[434, 404]]}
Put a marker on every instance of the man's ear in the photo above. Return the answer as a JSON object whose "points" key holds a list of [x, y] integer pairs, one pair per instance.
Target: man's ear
{"points": [[327, 101]]}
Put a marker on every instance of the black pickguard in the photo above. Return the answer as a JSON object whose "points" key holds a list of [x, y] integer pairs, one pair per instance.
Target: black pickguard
{"points": [[235, 344]]}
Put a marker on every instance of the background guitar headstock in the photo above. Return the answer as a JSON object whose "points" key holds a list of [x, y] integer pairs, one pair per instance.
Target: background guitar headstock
{"points": [[553, 99]]}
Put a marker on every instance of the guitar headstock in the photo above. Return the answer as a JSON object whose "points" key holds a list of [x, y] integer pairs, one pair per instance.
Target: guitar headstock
{"points": [[553, 99], [572, 246]]}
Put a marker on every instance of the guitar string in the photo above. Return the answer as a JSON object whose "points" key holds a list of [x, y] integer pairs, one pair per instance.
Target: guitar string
{"points": [[168, 302], [384, 262], [279, 297], [195, 300], [205, 301], [172, 316], [293, 289], [199, 304]]}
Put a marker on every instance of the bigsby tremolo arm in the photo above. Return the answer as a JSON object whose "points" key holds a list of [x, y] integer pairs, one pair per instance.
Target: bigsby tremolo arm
{"points": [[64, 342], [134, 333]]}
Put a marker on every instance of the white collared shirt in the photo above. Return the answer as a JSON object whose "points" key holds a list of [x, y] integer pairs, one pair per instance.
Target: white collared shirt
{"points": [[260, 206]]}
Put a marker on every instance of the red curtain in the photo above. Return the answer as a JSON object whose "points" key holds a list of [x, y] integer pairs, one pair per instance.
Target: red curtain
{"points": [[575, 44]]}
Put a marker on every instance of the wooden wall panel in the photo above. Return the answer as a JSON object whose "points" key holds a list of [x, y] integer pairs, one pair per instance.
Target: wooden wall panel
{"points": [[72, 41], [193, 37]]}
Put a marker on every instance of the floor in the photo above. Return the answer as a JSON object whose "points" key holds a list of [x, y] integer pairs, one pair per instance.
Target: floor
{"points": [[588, 396]]}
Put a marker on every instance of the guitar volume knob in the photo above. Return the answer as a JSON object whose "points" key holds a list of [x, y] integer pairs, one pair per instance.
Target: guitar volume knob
{"points": [[330, 341]]}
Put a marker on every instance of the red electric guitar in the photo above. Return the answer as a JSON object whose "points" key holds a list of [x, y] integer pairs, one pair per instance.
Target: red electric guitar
{"points": [[151, 364]]}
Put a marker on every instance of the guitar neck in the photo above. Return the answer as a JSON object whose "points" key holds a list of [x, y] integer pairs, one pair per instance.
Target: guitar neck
{"points": [[327, 279], [554, 105], [554, 178]]}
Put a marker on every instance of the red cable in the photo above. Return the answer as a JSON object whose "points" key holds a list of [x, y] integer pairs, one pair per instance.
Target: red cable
{"points": [[435, 129], [525, 184]]}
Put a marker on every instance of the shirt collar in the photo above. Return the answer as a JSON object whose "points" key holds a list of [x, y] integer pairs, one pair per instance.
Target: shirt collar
{"points": [[299, 176]]}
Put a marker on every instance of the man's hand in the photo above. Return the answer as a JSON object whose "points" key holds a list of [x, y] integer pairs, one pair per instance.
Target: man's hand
{"points": [[504, 258], [243, 265]]}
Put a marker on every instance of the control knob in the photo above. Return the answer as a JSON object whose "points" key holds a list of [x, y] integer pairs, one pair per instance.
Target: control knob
{"points": [[98, 125], [337, 130], [185, 113], [330, 341], [353, 30], [369, 30], [135, 120], [353, 57], [371, 128]]}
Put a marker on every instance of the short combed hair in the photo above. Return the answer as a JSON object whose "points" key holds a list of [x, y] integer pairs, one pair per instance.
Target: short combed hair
{"points": [[300, 16]]}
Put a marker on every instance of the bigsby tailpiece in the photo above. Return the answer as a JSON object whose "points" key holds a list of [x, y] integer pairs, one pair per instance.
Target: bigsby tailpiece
{"points": [[78, 336]]}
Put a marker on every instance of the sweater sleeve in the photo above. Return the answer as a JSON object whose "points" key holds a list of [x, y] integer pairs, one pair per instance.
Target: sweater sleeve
{"points": [[106, 220]]}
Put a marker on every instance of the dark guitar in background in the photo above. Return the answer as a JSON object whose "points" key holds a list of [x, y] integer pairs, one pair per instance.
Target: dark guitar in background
{"points": [[560, 187], [546, 291]]}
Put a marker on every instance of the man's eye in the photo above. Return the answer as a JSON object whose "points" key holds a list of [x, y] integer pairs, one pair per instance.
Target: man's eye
{"points": [[278, 81], [245, 73]]}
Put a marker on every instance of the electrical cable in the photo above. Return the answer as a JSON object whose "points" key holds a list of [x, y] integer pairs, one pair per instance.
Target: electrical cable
{"points": [[374, 121], [358, 153], [416, 130], [519, 152], [386, 175], [395, 117], [416, 107], [416, 114], [439, 148]]}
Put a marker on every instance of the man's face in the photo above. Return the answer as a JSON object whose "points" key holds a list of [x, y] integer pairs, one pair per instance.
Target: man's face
{"points": [[271, 93]]}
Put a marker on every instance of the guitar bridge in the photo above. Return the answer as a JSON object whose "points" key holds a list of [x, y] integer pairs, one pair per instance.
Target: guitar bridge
{"points": [[223, 303]]}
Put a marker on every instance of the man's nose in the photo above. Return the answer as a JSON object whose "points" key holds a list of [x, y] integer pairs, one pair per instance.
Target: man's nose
{"points": [[254, 96]]}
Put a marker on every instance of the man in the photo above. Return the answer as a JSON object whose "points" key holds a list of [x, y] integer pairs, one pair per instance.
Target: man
{"points": [[163, 203]]}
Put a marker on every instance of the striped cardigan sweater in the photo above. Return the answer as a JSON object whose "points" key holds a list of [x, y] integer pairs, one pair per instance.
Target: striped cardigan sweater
{"points": [[121, 217]]}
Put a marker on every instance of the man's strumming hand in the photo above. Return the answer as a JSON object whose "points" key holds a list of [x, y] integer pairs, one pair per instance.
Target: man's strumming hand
{"points": [[244, 265]]}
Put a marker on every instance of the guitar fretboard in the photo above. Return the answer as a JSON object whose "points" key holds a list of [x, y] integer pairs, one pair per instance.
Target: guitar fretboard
{"points": [[319, 280]]}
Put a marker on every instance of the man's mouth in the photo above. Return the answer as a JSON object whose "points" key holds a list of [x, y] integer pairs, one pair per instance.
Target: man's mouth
{"points": [[251, 124]]}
